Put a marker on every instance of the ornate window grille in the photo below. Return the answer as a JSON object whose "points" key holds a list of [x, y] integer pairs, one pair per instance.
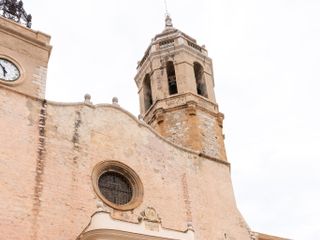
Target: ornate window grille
{"points": [[13, 9], [115, 187]]}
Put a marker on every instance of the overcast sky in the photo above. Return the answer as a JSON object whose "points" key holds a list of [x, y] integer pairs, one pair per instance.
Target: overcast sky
{"points": [[266, 58]]}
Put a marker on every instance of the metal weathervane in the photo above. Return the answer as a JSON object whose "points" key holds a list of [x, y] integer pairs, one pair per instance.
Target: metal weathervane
{"points": [[13, 9]]}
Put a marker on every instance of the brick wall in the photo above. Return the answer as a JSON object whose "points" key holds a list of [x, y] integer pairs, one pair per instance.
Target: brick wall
{"points": [[47, 155]]}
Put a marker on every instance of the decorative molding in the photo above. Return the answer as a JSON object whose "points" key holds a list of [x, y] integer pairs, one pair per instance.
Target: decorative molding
{"points": [[191, 108], [103, 227], [164, 52], [159, 115], [151, 219], [182, 101], [150, 215]]}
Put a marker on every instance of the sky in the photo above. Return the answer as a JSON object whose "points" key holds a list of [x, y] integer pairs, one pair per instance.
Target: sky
{"points": [[266, 57]]}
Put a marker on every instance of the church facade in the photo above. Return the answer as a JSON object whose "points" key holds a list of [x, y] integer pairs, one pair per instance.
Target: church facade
{"points": [[87, 172]]}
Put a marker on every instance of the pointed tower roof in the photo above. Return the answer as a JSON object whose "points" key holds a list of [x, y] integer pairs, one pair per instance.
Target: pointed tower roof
{"points": [[170, 30], [170, 34]]}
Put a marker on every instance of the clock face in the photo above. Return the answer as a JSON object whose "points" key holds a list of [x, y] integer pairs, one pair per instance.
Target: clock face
{"points": [[8, 71]]}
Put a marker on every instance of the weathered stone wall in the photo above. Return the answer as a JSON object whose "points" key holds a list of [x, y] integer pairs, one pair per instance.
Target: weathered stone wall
{"points": [[47, 154], [193, 129], [19, 144]]}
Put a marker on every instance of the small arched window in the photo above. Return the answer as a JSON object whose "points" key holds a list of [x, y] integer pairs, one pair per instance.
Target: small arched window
{"points": [[171, 74], [200, 80], [147, 92]]}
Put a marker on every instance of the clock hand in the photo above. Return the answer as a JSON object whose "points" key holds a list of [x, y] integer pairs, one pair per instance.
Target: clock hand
{"points": [[4, 70]]}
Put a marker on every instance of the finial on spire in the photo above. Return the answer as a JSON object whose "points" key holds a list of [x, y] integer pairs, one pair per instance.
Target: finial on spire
{"points": [[168, 21], [168, 18]]}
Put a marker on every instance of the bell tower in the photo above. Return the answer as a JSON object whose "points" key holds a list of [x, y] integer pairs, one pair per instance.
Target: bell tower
{"points": [[176, 91], [24, 53]]}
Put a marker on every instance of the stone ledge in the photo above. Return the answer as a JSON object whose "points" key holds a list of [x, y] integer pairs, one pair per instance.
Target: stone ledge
{"points": [[37, 38], [103, 227]]}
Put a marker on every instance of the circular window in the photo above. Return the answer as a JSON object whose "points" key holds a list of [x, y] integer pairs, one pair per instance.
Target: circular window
{"points": [[117, 185]]}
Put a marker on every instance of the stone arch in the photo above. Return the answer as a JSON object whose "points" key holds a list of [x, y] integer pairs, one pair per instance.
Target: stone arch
{"points": [[147, 92], [200, 80], [171, 75]]}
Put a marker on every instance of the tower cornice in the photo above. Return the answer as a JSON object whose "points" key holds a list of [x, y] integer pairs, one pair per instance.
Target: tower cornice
{"points": [[182, 101], [37, 38], [172, 38]]}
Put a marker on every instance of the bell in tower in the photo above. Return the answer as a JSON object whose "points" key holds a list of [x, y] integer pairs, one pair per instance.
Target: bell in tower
{"points": [[175, 82]]}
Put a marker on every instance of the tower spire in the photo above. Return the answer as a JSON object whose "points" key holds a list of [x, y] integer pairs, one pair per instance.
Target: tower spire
{"points": [[168, 20]]}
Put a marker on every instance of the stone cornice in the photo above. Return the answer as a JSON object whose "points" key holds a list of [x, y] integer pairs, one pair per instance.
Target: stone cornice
{"points": [[181, 101], [35, 38]]}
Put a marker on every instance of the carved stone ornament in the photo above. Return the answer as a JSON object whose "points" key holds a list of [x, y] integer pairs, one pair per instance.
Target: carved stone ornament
{"points": [[159, 115], [191, 109], [101, 206], [151, 215]]}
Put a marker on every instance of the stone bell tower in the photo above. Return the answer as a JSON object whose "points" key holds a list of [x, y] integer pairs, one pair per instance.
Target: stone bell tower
{"points": [[175, 82]]}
